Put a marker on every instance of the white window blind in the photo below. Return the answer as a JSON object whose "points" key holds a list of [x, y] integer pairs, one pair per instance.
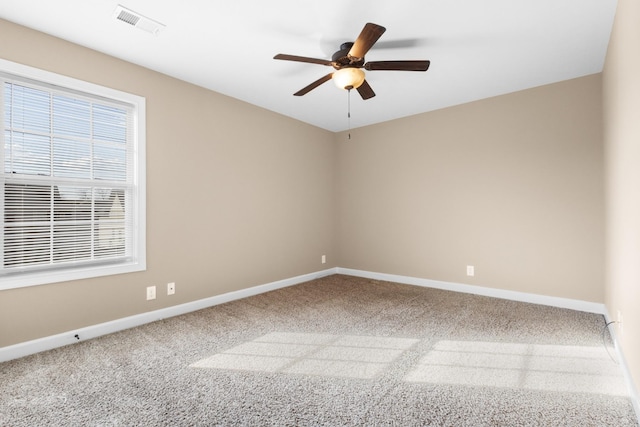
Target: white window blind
{"points": [[70, 191]]}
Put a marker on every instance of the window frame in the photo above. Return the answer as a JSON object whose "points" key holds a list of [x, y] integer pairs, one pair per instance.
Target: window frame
{"points": [[137, 262]]}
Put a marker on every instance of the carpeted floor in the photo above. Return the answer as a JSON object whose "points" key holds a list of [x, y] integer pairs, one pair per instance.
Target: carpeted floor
{"points": [[337, 351]]}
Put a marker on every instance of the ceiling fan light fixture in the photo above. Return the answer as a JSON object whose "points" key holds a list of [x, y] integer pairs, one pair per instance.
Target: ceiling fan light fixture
{"points": [[348, 78]]}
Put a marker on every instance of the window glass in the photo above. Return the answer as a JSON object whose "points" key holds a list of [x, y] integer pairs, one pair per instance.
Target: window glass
{"points": [[73, 181]]}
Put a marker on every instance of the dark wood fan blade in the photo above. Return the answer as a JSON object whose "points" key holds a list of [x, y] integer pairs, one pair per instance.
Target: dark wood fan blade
{"points": [[397, 65], [302, 59], [365, 91], [367, 38], [314, 85]]}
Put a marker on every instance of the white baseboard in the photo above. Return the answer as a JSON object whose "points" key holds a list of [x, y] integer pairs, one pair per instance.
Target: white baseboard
{"points": [[66, 338], [48, 343], [633, 391], [590, 307]]}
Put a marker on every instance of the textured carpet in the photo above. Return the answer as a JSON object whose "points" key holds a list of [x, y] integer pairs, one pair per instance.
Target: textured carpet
{"points": [[335, 351]]}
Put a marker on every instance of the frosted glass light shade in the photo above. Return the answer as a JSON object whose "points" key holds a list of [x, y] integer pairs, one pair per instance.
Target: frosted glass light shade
{"points": [[348, 78]]}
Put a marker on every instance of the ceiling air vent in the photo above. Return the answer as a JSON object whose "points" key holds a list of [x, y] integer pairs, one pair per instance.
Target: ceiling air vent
{"points": [[137, 20]]}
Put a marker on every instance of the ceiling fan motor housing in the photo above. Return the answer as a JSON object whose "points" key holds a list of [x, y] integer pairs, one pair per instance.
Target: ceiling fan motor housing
{"points": [[341, 58]]}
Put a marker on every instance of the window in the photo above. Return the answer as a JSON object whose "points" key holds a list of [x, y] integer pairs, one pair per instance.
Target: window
{"points": [[72, 191]]}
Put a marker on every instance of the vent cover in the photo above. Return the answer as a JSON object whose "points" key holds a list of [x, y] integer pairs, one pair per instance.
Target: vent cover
{"points": [[137, 20]]}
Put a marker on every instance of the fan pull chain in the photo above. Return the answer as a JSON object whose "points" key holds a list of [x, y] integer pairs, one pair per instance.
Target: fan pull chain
{"points": [[349, 112]]}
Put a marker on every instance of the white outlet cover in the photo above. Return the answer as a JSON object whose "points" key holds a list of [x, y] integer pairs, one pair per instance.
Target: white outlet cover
{"points": [[151, 292]]}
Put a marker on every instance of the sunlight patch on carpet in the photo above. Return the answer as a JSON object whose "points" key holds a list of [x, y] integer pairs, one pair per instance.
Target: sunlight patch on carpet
{"points": [[349, 356], [528, 366]]}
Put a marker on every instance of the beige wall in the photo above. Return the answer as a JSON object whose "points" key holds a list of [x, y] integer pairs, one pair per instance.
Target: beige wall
{"points": [[512, 185], [621, 82], [237, 196]]}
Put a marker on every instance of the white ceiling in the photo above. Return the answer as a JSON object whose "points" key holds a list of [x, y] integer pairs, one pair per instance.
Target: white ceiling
{"points": [[477, 49]]}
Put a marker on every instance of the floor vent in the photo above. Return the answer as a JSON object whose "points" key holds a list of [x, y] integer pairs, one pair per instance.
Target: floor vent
{"points": [[137, 20]]}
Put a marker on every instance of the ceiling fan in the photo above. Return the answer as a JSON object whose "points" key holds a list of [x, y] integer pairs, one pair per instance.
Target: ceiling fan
{"points": [[349, 62]]}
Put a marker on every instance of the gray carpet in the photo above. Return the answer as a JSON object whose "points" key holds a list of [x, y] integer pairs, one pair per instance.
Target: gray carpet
{"points": [[335, 351]]}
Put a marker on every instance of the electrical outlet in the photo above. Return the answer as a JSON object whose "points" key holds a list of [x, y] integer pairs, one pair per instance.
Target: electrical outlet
{"points": [[171, 288], [324, 259], [471, 270], [151, 292]]}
